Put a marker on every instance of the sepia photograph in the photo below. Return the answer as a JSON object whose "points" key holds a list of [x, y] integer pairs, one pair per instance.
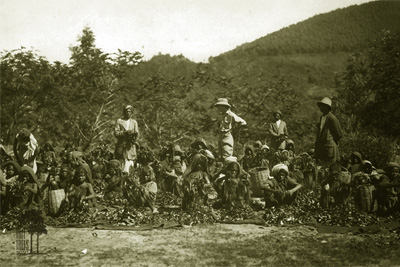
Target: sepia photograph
{"points": [[199, 133]]}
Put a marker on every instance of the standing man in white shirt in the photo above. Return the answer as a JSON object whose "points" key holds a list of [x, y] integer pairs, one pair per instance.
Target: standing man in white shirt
{"points": [[226, 122], [278, 131], [126, 131]]}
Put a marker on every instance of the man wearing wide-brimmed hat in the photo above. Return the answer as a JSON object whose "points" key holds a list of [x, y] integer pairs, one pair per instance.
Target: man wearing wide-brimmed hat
{"points": [[226, 122], [278, 131], [126, 131], [329, 134]]}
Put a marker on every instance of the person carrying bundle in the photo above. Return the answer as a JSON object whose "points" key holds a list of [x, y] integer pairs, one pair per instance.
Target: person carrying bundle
{"points": [[126, 131]]}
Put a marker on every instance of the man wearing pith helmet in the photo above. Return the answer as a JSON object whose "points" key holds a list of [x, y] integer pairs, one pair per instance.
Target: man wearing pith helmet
{"points": [[226, 122], [329, 135]]}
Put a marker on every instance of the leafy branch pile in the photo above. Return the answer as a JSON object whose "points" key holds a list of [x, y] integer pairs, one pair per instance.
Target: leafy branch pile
{"points": [[116, 211], [31, 220], [307, 207]]}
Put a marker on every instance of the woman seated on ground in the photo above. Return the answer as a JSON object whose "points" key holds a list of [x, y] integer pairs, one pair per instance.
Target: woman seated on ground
{"points": [[388, 190], [232, 185], [196, 179], [280, 189], [140, 188], [364, 183], [81, 191], [334, 190]]}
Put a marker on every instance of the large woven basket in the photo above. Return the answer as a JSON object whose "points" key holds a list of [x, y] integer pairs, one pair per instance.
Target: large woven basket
{"points": [[56, 197], [258, 176]]}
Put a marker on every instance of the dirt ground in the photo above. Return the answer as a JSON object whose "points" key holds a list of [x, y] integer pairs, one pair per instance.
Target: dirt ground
{"points": [[208, 245]]}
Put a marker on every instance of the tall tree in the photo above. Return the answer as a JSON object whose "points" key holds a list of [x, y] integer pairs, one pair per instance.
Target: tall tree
{"points": [[25, 79], [370, 89]]}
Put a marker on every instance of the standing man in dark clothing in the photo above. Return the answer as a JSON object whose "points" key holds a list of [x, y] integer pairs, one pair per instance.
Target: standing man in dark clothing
{"points": [[329, 134]]}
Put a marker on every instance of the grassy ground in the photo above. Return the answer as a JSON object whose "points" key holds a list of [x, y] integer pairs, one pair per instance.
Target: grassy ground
{"points": [[211, 245]]}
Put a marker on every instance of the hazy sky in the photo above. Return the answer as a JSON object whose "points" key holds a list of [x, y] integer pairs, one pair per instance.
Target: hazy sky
{"points": [[197, 29]]}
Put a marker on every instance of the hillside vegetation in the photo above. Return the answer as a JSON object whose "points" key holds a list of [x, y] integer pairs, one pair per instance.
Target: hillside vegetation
{"points": [[311, 53], [352, 49]]}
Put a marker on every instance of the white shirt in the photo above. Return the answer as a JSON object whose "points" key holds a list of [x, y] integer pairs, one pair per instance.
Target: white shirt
{"points": [[278, 122]]}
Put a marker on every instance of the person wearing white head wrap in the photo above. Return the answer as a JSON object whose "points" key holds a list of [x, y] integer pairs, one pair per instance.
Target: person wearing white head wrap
{"points": [[280, 189]]}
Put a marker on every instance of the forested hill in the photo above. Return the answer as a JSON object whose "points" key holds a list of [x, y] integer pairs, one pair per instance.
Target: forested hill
{"points": [[344, 29], [312, 54]]}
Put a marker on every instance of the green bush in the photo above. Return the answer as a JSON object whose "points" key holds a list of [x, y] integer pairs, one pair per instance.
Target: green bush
{"points": [[374, 148]]}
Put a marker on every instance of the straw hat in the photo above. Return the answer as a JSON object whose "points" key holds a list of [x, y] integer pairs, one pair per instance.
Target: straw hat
{"points": [[222, 102], [326, 101]]}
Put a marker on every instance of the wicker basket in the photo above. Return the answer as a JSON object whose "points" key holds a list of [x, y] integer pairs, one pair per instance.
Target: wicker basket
{"points": [[56, 197], [258, 176]]}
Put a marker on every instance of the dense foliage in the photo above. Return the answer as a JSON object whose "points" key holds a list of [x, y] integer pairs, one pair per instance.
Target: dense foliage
{"points": [[173, 97]]}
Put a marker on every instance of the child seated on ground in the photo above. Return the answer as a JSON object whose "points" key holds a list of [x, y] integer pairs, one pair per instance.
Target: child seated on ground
{"points": [[28, 192], [81, 191], [363, 184], [280, 189], [11, 174], [113, 178], [140, 188], [149, 187], [65, 175], [232, 185], [388, 190]]}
